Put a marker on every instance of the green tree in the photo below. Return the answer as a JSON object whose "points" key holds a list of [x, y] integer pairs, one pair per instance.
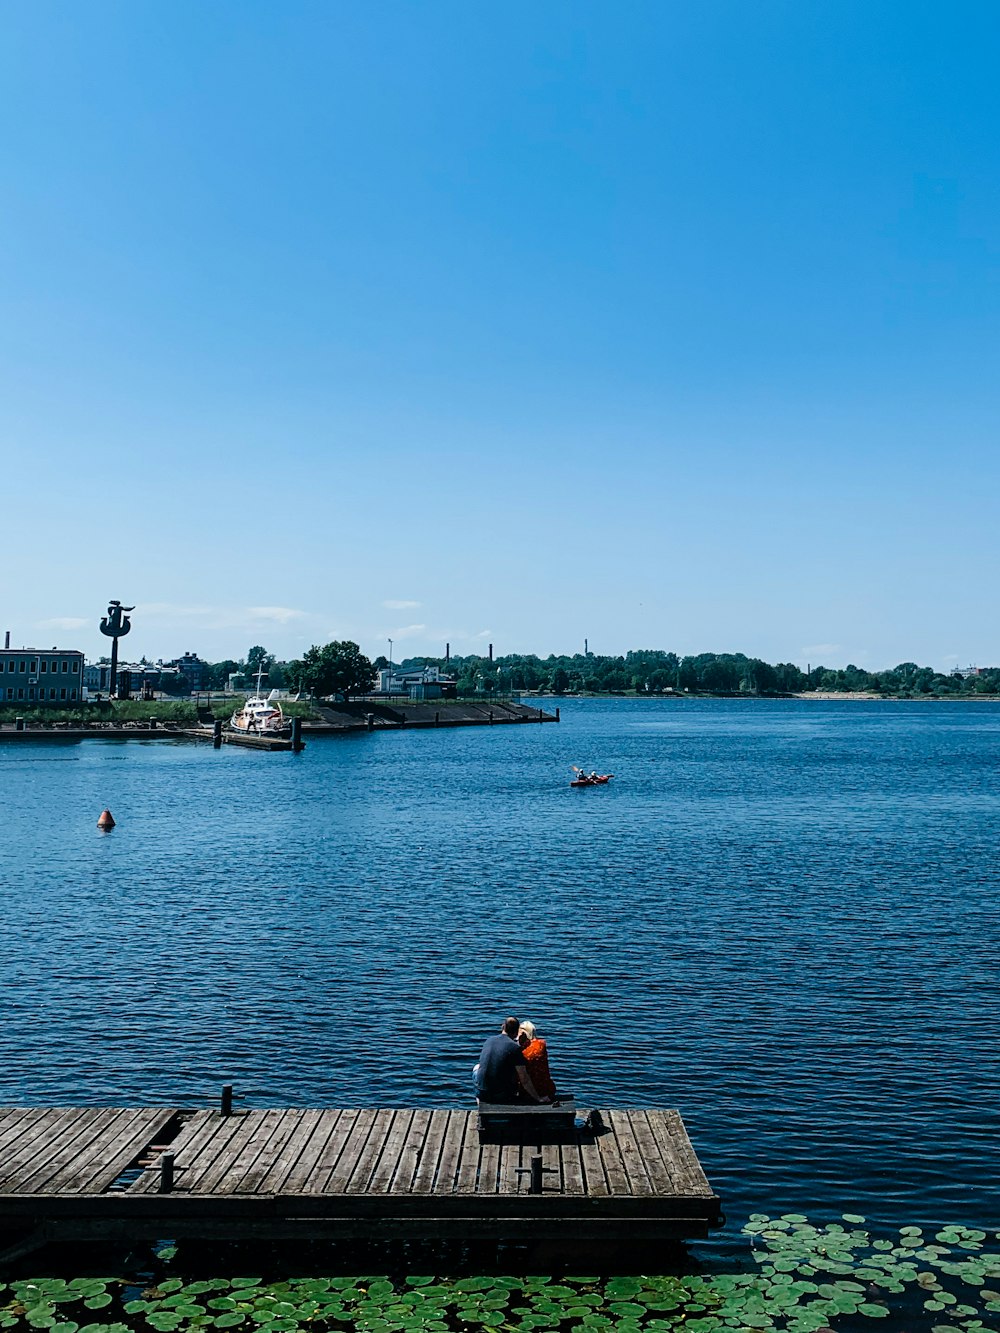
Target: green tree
{"points": [[258, 659], [336, 668], [174, 683], [217, 676]]}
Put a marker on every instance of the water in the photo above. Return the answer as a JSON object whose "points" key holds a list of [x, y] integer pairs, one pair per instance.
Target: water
{"points": [[780, 917]]}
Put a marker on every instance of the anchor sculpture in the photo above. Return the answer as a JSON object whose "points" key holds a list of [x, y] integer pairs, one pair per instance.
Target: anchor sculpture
{"points": [[115, 625]]}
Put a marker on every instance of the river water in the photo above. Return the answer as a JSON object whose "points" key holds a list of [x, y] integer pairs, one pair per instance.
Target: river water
{"points": [[780, 917]]}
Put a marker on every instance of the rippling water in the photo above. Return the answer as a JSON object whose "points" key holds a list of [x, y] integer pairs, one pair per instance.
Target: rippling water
{"points": [[780, 917]]}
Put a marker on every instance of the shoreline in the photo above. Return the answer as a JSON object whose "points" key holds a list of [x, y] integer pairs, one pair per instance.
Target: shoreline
{"points": [[330, 721], [826, 696]]}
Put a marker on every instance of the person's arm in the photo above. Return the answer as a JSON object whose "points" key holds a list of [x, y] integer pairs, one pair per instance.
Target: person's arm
{"points": [[524, 1078]]}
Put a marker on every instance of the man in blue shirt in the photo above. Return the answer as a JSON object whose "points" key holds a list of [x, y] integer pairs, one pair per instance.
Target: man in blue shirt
{"points": [[502, 1072]]}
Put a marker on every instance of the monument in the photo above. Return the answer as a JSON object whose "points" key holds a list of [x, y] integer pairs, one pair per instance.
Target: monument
{"points": [[115, 625]]}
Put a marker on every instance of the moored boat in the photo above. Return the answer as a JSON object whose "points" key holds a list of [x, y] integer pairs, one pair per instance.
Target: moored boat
{"points": [[260, 716]]}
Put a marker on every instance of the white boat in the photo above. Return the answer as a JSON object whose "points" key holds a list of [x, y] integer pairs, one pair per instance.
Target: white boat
{"points": [[260, 716]]}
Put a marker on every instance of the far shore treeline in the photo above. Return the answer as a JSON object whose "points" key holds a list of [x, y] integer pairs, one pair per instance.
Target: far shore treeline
{"points": [[654, 671], [341, 666]]}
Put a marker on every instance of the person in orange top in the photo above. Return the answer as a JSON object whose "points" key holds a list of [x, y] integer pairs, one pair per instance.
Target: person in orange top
{"points": [[536, 1053]]}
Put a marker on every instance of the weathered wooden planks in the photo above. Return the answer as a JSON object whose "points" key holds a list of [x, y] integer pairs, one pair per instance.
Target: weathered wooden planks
{"points": [[348, 1172], [74, 1150]]}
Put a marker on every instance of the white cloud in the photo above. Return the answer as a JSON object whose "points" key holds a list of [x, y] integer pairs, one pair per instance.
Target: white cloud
{"points": [[408, 631], [173, 611], [820, 649], [220, 616], [401, 606], [279, 615], [63, 622]]}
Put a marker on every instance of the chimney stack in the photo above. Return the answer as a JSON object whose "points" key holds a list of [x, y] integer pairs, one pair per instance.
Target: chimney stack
{"points": [[491, 652], [447, 653], [6, 640]]}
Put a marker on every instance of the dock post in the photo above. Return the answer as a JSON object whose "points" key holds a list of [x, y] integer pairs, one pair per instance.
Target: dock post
{"points": [[541, 715], [227, 1099], [297, 735], [536, 1174], [557, 714], [19, 724], [166, 1172], [535, 1171], [152, 724], [370, 719], [491, 717], [216, 733], [437, 719]]}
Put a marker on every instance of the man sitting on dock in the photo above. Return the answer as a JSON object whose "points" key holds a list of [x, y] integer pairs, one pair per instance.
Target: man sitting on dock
{"points": [[502, 1073]]}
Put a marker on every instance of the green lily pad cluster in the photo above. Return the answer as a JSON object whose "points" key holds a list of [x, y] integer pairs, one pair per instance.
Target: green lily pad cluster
{"points": [[800, 1278], [939, 1282]]}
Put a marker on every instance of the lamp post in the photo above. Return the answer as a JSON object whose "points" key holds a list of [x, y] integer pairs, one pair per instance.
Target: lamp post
{"points": [[389, 682]]}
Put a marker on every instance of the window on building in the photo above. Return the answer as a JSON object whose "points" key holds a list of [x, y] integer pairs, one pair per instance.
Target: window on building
{"points": [[10, 691], [76, 665], [31, 691], [21, 664], [52, 694], [65, 665], [10, 664], [34, 665], [62, 693], [55, 665], [72, 693], [20, 692], [45, 665]]}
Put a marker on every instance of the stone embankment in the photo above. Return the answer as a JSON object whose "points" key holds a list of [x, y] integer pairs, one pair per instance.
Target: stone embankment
{"points": [[435, 713]]}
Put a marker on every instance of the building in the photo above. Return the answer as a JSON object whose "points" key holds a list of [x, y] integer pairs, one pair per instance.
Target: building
{"points": [[40, 675], [140, 677], [194, 670], [420, 683]]}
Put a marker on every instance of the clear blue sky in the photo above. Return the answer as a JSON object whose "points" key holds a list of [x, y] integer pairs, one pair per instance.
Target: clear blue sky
{"points": [[668, 325]]}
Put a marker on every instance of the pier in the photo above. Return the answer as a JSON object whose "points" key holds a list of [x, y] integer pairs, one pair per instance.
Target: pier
{"points": [[107, 1173], [330, 720]]}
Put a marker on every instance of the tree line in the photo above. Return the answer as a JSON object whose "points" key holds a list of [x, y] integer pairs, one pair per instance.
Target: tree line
{"points": [[341, 668], [654, 671]]}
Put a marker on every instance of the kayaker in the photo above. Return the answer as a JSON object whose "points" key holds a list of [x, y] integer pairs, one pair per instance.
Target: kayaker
{"points": [[502, 1073]]}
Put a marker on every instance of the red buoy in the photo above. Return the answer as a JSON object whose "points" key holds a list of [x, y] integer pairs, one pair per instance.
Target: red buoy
{"points": [[107, 820]]}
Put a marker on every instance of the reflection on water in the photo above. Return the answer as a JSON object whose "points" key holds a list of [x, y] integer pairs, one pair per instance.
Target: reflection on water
{"points": [[780, 917]]}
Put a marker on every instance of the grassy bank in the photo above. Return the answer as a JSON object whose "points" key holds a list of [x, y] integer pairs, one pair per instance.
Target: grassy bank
{"points": [[181, 712]]}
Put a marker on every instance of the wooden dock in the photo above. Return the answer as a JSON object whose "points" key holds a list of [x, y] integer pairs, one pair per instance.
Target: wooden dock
{"points": [[361, 1174]]}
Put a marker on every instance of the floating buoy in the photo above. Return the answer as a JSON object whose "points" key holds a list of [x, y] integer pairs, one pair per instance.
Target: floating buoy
{"points": [[106, 820]]}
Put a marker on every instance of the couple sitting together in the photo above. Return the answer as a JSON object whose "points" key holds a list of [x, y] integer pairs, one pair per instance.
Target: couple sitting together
{"points": [[514, 1066]]}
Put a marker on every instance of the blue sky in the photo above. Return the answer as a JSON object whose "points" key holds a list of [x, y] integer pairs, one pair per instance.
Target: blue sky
{"points": [[667, 325]]}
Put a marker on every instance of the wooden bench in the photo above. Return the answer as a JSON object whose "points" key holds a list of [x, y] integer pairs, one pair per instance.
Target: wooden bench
{"points": [[525, 1119]]}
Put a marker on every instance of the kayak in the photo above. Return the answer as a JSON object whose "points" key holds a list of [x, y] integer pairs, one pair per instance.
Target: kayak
{"points": [[597, 781]]}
